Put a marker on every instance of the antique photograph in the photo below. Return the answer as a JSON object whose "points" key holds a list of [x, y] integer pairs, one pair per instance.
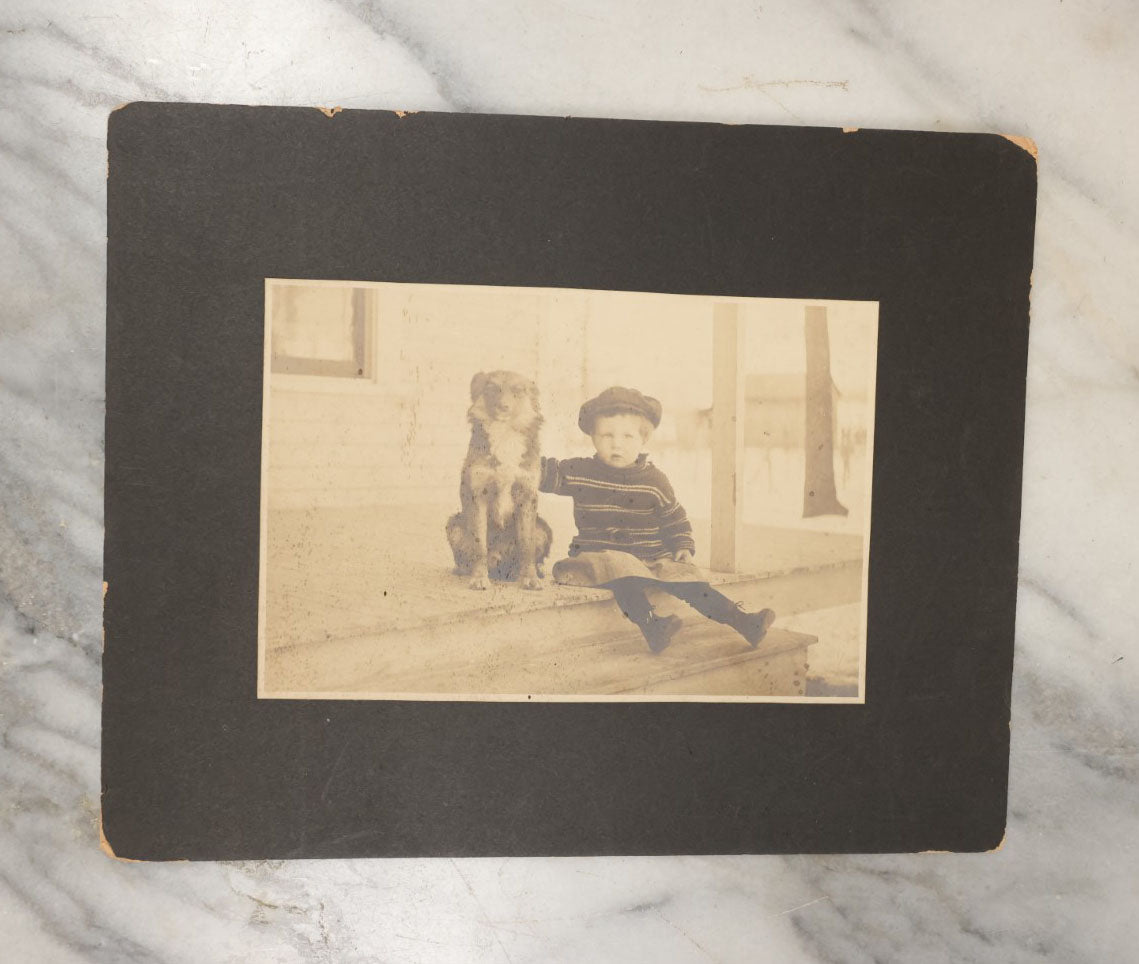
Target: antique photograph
{"points": [[535, 494]]}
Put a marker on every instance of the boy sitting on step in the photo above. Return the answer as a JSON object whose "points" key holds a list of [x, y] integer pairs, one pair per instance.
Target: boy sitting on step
{"points": [[632, 532]]}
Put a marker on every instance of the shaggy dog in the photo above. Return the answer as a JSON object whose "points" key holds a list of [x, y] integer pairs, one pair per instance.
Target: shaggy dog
{"points": [[497, 533]]}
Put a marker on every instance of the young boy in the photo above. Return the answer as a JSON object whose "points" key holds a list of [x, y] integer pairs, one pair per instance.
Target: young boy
{"points": [[631, 531]]}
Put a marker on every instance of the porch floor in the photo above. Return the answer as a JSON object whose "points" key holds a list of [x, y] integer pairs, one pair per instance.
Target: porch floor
{"points": [[343, 572]]}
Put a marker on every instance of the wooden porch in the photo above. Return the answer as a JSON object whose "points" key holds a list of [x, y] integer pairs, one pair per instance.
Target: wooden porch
{"points": [[349, 618]]}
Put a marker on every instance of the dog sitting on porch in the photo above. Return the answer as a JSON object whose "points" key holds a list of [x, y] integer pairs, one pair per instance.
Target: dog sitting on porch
{"points": [[497, 533]]}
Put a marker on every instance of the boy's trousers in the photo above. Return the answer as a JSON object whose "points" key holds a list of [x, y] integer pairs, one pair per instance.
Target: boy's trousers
{"points": [[629, 591]]}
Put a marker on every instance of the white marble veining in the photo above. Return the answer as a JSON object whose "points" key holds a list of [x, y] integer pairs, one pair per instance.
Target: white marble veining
{"points": [[1064, 72]]}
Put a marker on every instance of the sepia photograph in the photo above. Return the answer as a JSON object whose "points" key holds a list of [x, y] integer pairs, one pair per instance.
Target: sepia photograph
{"points": [[537, 494]]}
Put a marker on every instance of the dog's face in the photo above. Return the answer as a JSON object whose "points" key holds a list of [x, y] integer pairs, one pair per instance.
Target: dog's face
{"points": [[504, 397]]}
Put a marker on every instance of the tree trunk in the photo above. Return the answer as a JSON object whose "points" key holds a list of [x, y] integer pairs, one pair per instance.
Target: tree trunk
{"points": [[819, 495]]}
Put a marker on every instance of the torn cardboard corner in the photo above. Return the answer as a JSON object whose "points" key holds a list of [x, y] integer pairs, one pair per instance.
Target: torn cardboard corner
{"points": [[992, 850], [105, 845], [404, 113], [1025, 143], [330, 111]]}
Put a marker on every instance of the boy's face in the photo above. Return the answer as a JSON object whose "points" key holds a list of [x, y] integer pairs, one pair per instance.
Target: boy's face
{"points": [[619, 438]]}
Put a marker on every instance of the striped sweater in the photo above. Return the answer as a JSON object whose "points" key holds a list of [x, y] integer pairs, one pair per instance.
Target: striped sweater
{"points": [[630, 509]]}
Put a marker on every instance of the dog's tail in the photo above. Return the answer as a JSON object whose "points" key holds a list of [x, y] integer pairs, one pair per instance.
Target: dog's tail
{"points": [[457, 537], [545, 537]]}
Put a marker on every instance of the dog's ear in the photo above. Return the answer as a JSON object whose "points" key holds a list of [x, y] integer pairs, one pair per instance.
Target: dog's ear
{"points": [[478, 383]]}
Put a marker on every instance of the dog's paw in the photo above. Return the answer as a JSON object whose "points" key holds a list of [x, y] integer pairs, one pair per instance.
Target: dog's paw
{"points": [[479, 582], [532, 582]]}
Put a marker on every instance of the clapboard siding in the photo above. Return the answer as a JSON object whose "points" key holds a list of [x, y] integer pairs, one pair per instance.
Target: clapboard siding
{"points": [[403, 436]]}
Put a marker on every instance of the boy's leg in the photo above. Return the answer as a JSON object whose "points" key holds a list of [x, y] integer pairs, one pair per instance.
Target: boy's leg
{"points": [[719, 608], [630, 595], [629, 592]]}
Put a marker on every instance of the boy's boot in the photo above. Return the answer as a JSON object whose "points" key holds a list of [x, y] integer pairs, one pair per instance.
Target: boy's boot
{"points": [[658, 630], [752, 626], [630, 596]]}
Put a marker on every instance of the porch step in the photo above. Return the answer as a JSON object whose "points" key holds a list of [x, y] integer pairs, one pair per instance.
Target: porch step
{"points": [[587, 649]]}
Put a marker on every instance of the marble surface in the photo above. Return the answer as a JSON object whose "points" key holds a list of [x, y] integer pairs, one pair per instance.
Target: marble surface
{"points": [[1065, 73]]}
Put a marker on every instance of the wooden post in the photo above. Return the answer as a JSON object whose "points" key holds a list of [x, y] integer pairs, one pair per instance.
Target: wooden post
{"points": [[819, 494], [728, 416]]}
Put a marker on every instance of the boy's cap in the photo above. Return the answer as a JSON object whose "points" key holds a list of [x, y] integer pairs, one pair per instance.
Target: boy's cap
{"points": [[614, 400]]}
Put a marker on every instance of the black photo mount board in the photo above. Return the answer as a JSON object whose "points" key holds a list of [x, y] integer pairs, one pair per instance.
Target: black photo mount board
{"points": [[206, 202]]}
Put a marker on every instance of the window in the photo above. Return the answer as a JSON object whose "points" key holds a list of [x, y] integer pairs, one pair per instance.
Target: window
{"points": [[322, 330]]}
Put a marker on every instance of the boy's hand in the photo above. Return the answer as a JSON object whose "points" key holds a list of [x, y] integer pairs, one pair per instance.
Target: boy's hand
{"points": [[682, 555]]}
